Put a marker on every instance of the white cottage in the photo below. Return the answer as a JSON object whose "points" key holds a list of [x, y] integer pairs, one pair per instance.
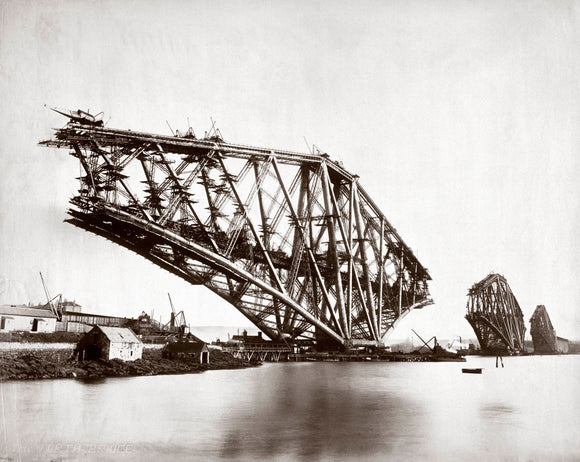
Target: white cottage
{"points": [[103, 342], [24, 318]]}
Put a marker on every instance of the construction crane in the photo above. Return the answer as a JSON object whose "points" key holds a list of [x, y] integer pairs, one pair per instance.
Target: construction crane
{"points": [[437, 352], [455, 339], [56, 308], [426, 343], [176, 321]]}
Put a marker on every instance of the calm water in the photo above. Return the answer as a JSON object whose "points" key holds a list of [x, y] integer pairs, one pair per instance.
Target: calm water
{"points": [[529, 410]]}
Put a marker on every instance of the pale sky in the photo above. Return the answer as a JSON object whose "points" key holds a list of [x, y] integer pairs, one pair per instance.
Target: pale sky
{"points": [[462, 119]]}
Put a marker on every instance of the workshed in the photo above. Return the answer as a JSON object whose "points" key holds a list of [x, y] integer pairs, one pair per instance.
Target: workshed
{"points": [[186, 350], [23, 318], [246, 339], [104, 342]]}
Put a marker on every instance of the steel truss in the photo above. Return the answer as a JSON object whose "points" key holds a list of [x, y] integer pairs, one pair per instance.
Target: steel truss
{"points": [[495, 315], [292, 240], [542, 332], [259, 352]]}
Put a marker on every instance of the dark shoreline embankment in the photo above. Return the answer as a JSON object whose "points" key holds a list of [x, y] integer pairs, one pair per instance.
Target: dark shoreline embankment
{"points": [[53, 364]]}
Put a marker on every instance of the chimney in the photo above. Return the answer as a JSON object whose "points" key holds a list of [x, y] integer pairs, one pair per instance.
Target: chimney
{"points": [[260, 335]]}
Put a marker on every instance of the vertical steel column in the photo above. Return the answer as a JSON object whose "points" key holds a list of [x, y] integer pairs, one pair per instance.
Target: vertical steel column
{"points": [[381, 263], [310, 254], [263, 215], [266, 234], [350, 255], [332, 246], [401, 281], [366, 275], [210, 203]]}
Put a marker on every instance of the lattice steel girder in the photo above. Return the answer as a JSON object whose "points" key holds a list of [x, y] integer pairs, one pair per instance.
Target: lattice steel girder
{"points": [[291, 240], [495, 315]]}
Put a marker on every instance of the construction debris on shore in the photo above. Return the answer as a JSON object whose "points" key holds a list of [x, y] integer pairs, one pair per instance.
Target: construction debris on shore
{"points": [[47, 364], [384, 357]]}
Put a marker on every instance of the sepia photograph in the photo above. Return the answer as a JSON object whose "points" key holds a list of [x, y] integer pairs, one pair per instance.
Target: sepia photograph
{"points": [[290, 230]]}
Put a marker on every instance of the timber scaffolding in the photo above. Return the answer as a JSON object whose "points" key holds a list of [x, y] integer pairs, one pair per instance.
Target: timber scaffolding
{"points": [[291, 240]]}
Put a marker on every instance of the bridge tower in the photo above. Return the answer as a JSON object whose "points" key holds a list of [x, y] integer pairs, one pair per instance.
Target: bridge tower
{"points": [[293, 241], [495, 315], [542, 332]]}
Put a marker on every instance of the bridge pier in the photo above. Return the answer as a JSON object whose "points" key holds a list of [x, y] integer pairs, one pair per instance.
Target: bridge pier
{"points": [[495, 316]]}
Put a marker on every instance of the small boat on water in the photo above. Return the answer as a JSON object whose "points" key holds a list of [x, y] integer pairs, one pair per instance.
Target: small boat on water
{"points": [[476, 370]]}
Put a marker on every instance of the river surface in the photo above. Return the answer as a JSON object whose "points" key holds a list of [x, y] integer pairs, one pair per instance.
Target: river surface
{"points": [[332, 411]]}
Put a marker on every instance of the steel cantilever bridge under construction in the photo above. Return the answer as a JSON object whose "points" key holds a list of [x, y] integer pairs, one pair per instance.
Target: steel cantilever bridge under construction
{"points": [[291, 240]]}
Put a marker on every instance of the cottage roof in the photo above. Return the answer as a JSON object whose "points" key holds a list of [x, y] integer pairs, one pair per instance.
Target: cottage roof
{"points": [[22, 310], [119, 334], [184, 347]]}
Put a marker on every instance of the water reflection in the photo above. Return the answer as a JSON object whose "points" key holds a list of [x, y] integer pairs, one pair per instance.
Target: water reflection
{"points": [[307, 419], [303, 411], [493, 410], [92, 380]]}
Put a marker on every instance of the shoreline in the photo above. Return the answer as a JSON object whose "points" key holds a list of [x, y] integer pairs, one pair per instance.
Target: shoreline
{"points": [[41, 346], [57, 363]]}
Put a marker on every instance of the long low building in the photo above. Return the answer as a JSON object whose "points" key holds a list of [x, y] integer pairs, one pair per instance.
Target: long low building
{"points": [[40, 318], [76, 317], [24, 318]]}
